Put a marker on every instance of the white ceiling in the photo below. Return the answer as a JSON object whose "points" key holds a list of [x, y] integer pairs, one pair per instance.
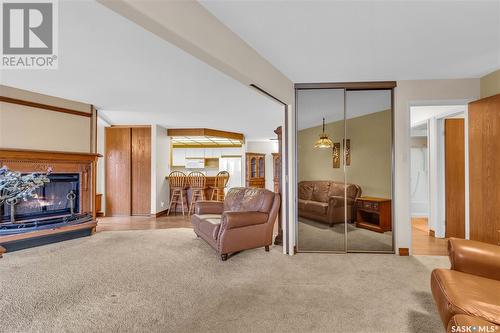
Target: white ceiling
{"points": [[420, 114], [321, 41], [134, 77], [313, 105]]}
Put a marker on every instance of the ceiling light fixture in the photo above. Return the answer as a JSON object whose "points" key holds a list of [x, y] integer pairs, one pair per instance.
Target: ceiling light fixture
{"points": [[324, 141]]}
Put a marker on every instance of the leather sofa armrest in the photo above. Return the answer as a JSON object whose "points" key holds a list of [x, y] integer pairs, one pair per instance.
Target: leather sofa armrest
{"points": [[335, 201], [232, 220], [208, 207], [475, 258], [338, 201]]}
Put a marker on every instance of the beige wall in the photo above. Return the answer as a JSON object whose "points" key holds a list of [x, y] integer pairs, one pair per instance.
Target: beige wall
{"points": [[371, 153], [490, 84], [24, 127]]}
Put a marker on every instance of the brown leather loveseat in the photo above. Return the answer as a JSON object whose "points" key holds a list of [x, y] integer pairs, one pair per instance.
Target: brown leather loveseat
{"points": [[245, 220], [468, 294], [323, 200]]}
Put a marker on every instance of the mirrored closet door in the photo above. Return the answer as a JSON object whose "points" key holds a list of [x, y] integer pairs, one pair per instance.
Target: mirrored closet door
{"points": [[321, 177], [344, 169], [368, 168]]}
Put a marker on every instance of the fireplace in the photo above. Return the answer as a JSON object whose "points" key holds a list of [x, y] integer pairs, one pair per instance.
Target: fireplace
{"points": [[59, 197], [64, 208]]}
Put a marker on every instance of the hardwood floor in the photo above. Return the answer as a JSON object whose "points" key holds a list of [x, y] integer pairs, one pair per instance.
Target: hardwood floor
{"points": [[142, 222], [423, 244]]}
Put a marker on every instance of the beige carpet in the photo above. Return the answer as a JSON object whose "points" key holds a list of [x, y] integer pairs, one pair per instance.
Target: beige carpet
{"points": [[317, 236], [169, 281]]}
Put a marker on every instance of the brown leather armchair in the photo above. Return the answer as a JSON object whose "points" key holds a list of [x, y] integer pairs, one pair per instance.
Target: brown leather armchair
{"points": [[245, 220], [468, 294]]}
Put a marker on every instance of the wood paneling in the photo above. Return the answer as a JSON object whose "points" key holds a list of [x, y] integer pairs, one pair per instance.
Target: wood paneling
{"points": [[118, 170], [141, 170], [454, 143], [484, 169]]}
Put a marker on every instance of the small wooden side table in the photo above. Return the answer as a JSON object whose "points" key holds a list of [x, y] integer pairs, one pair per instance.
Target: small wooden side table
{"points": [[374, 214]]}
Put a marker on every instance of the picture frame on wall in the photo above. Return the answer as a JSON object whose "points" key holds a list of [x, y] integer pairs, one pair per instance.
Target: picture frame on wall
{"points": [[347, 151], [336, 155]]}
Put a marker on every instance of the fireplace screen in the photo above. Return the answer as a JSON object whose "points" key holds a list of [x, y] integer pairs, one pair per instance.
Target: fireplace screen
{"points": [[61, 196]]}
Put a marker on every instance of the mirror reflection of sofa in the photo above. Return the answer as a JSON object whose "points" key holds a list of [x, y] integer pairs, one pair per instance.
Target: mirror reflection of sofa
{"points": [[323, 201]]}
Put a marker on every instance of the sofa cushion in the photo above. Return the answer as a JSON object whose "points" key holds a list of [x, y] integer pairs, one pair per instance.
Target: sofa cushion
{"points": [[320, 192], [302, 204], [461, 293], [306, 190], [336, 189], [316, 207], [241, 199], [208, 224]]}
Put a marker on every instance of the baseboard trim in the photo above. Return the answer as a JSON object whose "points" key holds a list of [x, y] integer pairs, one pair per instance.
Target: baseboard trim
{"points": [[162, 213], [404, 251], [432, 233]]}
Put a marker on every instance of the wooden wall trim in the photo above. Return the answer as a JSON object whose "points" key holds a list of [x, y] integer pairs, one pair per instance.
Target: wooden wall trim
{"points": [[404, 251], [38, 155], [130, 126], [204, 132], [348, 85], [162, 213], [44, 106]]}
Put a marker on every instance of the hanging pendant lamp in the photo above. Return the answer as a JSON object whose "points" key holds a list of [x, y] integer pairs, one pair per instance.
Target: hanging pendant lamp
{"points": [[324, 141]]}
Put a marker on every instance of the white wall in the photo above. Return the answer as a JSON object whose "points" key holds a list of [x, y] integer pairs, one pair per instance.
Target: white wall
{"points": [[418, 92], [265, 147], [100, 186], [161, 146], [419, 182]]}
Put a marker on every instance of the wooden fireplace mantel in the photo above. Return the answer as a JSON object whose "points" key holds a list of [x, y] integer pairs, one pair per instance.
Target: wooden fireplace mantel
{"points": [[16, 154], [24, 160]]}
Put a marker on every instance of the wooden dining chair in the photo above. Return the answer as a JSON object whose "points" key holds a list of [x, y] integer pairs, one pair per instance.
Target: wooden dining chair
{"points": [[220, 184], [197, 182], [177, 182]]}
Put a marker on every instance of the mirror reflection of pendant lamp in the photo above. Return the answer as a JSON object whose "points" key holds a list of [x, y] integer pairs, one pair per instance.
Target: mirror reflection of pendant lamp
{"points": [[324, 141]]}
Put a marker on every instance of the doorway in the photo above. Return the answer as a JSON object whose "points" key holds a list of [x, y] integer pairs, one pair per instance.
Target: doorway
{"points": [[344, 137], [439, 176]]}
